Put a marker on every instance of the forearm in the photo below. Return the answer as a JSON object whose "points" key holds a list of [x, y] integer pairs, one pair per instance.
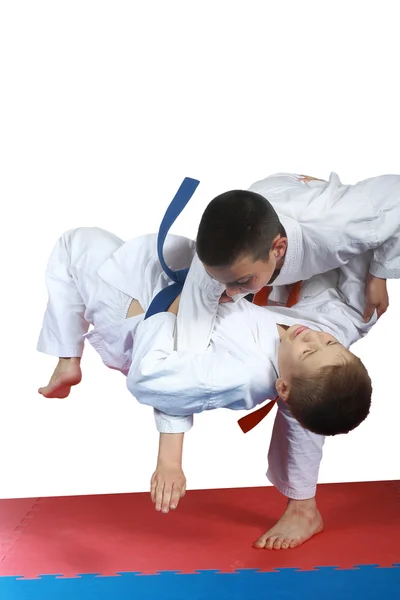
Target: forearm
{"points": [[170, 449]]}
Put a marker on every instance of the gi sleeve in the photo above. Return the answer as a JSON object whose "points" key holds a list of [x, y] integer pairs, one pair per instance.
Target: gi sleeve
{"points": [[339, 222], [197, 308], [183, 383], [384, 193], [172, 423]]}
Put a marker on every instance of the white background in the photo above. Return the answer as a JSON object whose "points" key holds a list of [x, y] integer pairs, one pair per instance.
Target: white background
{"points": [[105, 107]]}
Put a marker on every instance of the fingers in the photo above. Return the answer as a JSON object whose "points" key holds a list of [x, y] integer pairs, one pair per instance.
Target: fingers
{"points": [[166, 498], [369, 311], [376, 297], [153, 487], [163, 496], [381, 309], [166, 495], [175, 496]]}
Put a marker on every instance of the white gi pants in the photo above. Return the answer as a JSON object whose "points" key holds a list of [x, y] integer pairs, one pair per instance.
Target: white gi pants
{"points": [[78, 298], [294, 456]]}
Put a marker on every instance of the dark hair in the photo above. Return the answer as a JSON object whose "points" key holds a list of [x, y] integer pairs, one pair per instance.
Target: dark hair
{"points": [[334, 401], [234, 225]]}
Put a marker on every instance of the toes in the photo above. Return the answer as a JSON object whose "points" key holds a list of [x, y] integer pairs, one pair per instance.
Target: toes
{"points": [[260, 543], [265, 541], [269, 542], [278, 543], [274, 542]]}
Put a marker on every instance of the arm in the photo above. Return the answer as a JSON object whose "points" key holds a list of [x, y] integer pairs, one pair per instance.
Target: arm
{"points": [[384, 194], [166, 424], [168, 483], [353, 287], [183, 383]]}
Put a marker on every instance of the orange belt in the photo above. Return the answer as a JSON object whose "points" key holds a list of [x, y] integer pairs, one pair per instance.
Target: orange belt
{"points": [[261, 299]]}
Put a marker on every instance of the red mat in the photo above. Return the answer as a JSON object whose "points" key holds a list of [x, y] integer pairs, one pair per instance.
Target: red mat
{"points": [[212, 529], [12, 518]]}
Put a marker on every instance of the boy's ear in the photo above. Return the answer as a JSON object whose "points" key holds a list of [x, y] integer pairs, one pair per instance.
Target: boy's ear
{"points": [[279, 246], [282, 389]]}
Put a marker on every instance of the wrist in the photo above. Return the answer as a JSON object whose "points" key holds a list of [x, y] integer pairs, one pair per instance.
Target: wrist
{"points": [[170, 449], [168, 462], [371, 277]]}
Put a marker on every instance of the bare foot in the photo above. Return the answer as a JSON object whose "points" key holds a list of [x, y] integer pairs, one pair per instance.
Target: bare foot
{"points": [[66, 374], [300, 521]]}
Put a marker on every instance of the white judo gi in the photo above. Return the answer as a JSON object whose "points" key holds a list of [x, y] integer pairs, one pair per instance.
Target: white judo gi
{"points": [[238, 369], [326, 223]]}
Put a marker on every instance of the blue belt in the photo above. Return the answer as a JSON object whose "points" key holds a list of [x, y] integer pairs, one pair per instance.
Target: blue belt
{"points": [[163, 300]]}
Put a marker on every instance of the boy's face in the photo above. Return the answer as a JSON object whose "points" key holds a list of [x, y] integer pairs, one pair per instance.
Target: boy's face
{"points": [[303, 352], [248, 276], [245, 276]]}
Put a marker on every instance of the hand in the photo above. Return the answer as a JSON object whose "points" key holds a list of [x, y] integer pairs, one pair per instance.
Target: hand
{"points": [[175, 305], [307, 178], [376, 297], [168, 486], [225, 298]]}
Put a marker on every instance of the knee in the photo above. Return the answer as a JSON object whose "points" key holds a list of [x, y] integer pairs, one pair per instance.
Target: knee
{"points": [[92, 246], [88, 238]]}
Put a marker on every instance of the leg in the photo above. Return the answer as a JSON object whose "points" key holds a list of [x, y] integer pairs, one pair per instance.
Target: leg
{"points": [[294, 458], [72, 284], [135, 309]]}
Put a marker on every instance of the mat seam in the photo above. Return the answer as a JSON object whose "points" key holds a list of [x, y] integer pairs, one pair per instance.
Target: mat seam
{"points": [[201, 572], [7, 545]]}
